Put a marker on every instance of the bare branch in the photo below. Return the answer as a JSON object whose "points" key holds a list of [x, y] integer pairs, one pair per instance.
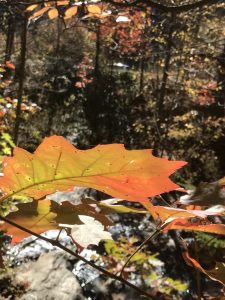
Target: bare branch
{"points": [[166, 8], [149, 3]]}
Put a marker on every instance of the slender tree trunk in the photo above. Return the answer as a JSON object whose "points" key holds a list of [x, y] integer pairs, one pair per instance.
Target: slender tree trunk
{"points": [[21, 78], [10, 38], [111, 67], [166, 70], [180, 61], [97, 51], [160, 110], [53, 97], [221, 79], [143, 58], [94, 101], [141, 75]]}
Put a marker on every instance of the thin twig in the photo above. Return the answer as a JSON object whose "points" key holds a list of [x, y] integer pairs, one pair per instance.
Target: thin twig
{"points": [[59, 245], [60, 231], [154, 234]]}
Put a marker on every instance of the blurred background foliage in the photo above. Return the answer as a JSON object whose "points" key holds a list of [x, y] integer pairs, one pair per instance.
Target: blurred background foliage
{"points": [[112, 74], [141, 77], [102, 73]]}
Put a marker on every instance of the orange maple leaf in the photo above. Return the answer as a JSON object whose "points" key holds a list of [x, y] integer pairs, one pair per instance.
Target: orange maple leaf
{"points": [[182, 224], [57, 165]]}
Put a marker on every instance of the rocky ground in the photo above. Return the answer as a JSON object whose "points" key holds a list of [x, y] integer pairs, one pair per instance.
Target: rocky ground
{"points": [[40, 271]]}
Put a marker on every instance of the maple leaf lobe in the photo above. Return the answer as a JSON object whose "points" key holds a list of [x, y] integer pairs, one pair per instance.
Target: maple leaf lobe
{"points": [[57, 165]]}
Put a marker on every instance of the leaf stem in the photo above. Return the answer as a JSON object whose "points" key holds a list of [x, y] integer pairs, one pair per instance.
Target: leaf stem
{"points": [[154, 234], [59, 245]]}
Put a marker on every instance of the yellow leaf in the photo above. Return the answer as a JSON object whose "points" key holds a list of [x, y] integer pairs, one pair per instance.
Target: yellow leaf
{"points": [[39, 12], [53, 13], [110, 206], [94, 9], [31, 7], [70, 12], [222, 181], [63, 2], [133, 175]]}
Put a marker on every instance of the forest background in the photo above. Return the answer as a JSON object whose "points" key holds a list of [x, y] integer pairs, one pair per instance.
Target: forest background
{"points": [[145, 74]]}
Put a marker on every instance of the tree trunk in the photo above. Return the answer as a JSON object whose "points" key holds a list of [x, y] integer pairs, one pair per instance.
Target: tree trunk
{"points": [[10, 38], [21, 78], [97, 51], [141, 75], [165, 71]]}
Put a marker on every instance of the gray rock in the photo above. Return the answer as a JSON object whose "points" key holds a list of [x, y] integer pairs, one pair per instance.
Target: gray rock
{"points": [[31, 247], [74, 196], [49, 278]]}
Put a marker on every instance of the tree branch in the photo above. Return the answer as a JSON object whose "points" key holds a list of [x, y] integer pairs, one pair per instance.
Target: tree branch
{"points": [[166, 8], [56, 243], [149, 3]]}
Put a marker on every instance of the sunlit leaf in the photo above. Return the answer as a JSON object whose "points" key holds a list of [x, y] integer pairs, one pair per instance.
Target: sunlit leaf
{"points": [[31, 7], [39, 12], [110, 206], [57, 165], [62, 2], [70, 12], [182, 224], [122, 19], [91, 232], [222, 181], [94, 9], [170, 213], [53, 13]]}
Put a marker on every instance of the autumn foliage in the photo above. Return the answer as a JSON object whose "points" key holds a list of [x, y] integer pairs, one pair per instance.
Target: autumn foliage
{"points": [[112, 76], [56, 165]]}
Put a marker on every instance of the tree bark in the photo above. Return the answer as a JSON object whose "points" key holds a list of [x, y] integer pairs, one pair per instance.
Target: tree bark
{"points": [[165, 71], [10, 38], [97, 51], [21, 78]]}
